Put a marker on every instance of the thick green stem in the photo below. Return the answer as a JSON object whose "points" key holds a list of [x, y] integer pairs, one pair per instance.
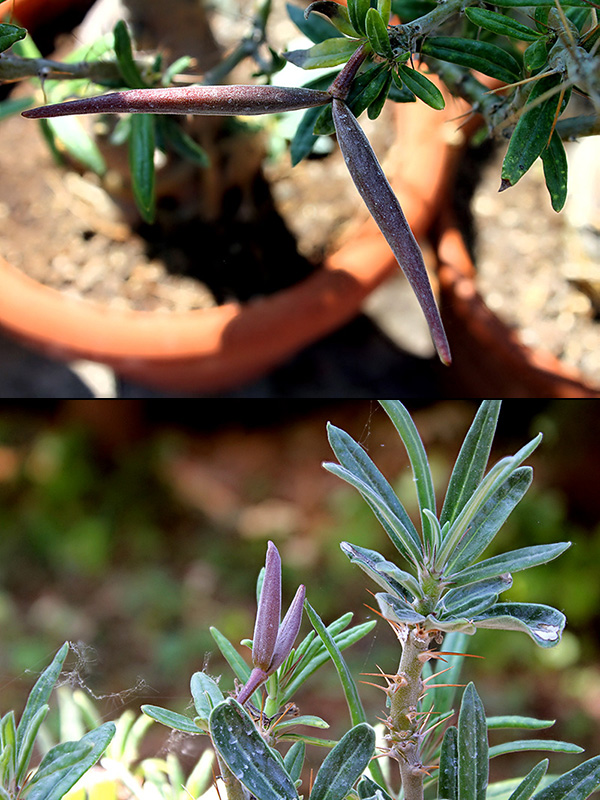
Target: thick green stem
{"points": [[403, 721]]}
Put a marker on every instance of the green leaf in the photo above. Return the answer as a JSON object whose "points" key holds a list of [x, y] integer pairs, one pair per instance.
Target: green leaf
{"points": [[344, 764], [556, 170], [523, 745], [51, 781], [25, 749], [376, 30], [536, 55], [577, 784], [397, 610], [540, 3], [462, 602], [448, 775], [231, 655], [247, 755], [205, 693], [181, 142], [418, 461], [422, 87], [543, 624], [501, 25], [171, 719], [310, 720], [310, 663], [489, 518], [513, 561], [383, 572], [486, 489], [329, 53], [512, 721], [39, 695], [472, 747], [361, 472], [78, 144], [336, 13], [483, 56], [357, 11], [141, 163], [314, 28], [9, 34], [470, 465], [123, 51], [369, 788], [376, 106], [530, 782], [532, 132], [294, 760], [357, 712], [8, 739]]}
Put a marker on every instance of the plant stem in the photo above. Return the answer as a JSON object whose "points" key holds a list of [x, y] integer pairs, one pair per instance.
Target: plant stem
{"points": [[14, 68], [403, 722]]}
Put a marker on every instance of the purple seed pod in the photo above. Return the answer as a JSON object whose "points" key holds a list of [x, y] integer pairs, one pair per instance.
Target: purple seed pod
{"points": [[221, 100], [288, 630], [385, 209]]}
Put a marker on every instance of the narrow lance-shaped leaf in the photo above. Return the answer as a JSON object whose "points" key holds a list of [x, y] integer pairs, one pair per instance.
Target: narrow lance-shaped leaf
{"points": [[173, 720], [377, 34], [422, 87], [141, 164], [382, 571], [220, 100], [543, 623], [488, 520], [472, 747], [335, 12], [344, 765], [532, 131], [123, 51], [419, 463], [556, 168], [329, 53], [530, 782], [577, 784], [352, 456], [472, 459], [448, 774], [526, 745], [385, 209], [483, 56], [501, 24], [513, 561], [247, 755], [41, 691]]}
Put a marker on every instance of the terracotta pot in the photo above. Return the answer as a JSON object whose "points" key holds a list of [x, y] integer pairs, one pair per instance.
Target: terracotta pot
{"points": [[220, 348], [489, 359]]}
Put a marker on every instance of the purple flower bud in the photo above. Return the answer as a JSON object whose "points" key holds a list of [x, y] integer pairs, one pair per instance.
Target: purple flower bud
{"points": [[272, 642], [288, 630], [268, 615], [220, 100], [385, 209]]}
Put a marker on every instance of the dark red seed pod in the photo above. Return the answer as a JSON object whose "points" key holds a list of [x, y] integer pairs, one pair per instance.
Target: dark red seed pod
{"points": [[218, 100], [385, 209]]}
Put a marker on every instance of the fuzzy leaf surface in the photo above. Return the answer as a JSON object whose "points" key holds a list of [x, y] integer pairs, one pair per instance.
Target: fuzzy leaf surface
{"points": [[530, 782], [344, 764], [247, 755], [543, 624], [472, 459], [513, 561], [472, 747], [577, 784]]}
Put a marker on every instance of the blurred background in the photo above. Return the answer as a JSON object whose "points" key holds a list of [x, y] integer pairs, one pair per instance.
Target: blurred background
{"points": [[130, 528]]}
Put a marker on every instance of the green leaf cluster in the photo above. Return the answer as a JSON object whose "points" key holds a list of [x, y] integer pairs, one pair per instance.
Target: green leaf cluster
{"points": [[446, 586], [63, 765]]}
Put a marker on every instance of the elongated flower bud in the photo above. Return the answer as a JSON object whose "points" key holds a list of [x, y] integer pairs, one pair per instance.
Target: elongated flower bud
{"points": [[288, 630], [268, 615], [385, 209], [221, 100]]}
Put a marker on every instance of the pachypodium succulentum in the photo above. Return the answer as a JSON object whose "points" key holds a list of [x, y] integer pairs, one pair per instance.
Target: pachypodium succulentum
{"points": [[446, 588]]}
